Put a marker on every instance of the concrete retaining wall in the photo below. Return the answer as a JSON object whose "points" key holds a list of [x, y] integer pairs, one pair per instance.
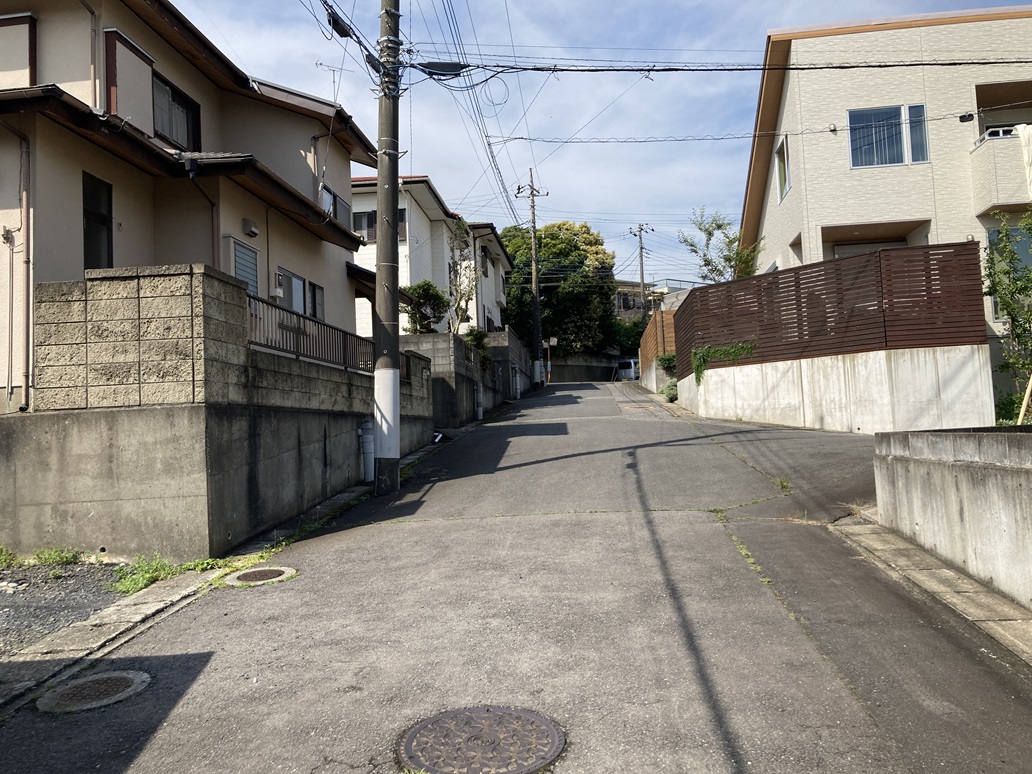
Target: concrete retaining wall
{"points": [[869, 392], [165, 432], [963, 495]]}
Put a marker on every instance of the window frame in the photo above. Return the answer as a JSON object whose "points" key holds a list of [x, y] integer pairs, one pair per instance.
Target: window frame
{"points": [[191, 109], [906, 123], [233, 244], [368, 231], [784, 171], [316, 301]]}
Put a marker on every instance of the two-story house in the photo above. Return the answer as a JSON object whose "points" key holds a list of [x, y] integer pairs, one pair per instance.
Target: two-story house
{"points": [[893, 132], [128, 139], [427, 250]]}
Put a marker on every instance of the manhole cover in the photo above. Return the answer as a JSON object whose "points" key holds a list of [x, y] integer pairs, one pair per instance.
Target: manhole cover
{"points": [[482, 740], [259, 576], [92, 691]]}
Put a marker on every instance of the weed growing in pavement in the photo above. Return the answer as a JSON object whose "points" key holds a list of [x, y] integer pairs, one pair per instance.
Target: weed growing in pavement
{"points": [[8, 558], [56, 557], [142, 572], [56, 574], [783, 483], [747, 555]]}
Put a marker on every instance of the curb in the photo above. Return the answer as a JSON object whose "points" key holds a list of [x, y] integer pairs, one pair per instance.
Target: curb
{"points": [[996, 615]]}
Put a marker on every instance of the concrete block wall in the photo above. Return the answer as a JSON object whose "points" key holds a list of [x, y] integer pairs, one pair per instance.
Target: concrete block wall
{"points": [[867, 392], [964, 497]]}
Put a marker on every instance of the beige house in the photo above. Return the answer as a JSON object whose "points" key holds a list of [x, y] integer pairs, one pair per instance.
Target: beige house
{"points": [[848, 160], [128, 140], [426, 232]]}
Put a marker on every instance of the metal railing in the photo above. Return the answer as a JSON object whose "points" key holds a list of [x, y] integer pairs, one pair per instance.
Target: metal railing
{"points": [[273, 327]]}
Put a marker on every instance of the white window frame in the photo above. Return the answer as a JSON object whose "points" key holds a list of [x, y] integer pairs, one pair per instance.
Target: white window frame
{"points": [[906, 138]]}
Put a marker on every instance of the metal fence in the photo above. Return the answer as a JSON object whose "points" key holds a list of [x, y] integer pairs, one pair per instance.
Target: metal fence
{"points": [[273, 327], [890, 299]]}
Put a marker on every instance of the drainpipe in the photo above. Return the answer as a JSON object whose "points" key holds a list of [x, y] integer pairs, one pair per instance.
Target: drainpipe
{"points": [[94, 84], [191, 168], [27, 260]]}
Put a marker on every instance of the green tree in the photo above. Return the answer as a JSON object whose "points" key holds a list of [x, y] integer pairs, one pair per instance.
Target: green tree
{"points": [[575, 275], [429, 307], [1008, 278], [719, 250], [627, 335]]}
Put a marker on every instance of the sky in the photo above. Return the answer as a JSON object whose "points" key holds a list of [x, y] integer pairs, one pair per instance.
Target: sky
{"points": [[612, 186]]}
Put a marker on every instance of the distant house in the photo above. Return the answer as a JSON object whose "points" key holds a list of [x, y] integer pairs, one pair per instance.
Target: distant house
{"points": [[846, 161], [128, 139], [426, 232]]}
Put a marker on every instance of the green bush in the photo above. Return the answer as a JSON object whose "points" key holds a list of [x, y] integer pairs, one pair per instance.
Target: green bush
{"points": [[670, 390], [668, 362]]}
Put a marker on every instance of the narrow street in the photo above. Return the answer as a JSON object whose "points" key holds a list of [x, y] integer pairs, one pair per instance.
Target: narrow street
{"points": [[667, 589]]}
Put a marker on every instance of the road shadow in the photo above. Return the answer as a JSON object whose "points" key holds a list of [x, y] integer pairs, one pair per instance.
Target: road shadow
{"points": [[108, 738]]}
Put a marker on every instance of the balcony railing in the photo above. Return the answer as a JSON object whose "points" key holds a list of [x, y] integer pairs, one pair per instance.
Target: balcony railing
{"points": [[998, 178], [273, 327]]}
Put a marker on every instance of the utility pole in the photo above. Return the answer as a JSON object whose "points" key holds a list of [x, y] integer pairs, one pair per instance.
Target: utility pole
{"points": [[642, 228], [387, 370], [538, 375]]}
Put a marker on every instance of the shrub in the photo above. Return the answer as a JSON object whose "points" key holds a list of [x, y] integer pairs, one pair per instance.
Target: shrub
{"points": [[670, 390], [8, 558], [668, 362]]}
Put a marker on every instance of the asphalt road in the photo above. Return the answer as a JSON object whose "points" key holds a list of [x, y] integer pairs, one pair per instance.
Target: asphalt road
{"points": [[666, 589]]}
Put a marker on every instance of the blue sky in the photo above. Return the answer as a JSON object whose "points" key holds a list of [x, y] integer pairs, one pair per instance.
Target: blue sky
{"points": [[613, 187]]}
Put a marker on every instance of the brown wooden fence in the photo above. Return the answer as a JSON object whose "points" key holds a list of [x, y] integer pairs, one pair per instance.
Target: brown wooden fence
{"points": [[929, 296], [658, 338]]}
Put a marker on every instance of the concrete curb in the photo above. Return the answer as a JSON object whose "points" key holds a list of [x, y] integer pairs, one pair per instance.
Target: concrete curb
{"points": [[64, 652], [1001, 618]]}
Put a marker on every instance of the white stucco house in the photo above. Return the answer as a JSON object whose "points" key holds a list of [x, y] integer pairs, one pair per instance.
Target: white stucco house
{"points": [[426, 232], [128, 139], [854, 159]]}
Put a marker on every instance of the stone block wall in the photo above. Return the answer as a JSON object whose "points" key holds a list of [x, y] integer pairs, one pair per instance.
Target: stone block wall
{"points": [[139, 336]]}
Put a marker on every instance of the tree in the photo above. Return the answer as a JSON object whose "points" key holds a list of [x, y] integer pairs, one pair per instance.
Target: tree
{"points": [[575, 274], [1008, 278], [429, 307], [720, 251], [463, 275]]}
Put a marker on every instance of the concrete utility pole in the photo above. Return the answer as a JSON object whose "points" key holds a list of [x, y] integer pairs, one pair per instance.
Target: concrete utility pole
{"points": [[642, 228], [387, 371], [538, 368]]}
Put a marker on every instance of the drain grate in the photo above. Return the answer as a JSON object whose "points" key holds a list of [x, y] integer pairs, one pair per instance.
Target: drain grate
{"points": [[482, 740], [259, 576], [93, 691]]}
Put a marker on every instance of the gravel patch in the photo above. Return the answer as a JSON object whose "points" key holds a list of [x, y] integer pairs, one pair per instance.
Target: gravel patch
{"points": [[36, 601]]}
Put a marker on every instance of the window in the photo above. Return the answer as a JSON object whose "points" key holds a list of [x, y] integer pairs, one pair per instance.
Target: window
{"points": [[176, 116], [316, 301], [96, 223], [1023, 245], [334, 205], [245, 265], [887, 136], [293, 291], [365, 225], [784, 176]]}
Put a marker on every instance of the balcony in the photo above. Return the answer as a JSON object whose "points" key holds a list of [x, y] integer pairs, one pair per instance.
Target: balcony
{"points": [[998, 177]]}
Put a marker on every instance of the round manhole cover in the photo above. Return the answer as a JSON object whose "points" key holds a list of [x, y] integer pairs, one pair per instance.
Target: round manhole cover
{"points": [[482, 740], [93, 691], [260, 575]]}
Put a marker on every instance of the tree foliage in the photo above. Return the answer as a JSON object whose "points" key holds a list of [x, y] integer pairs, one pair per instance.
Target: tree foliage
{"points": [[463, 275], [1009, 279], [577, 287], [719, 249], [429, 307]]}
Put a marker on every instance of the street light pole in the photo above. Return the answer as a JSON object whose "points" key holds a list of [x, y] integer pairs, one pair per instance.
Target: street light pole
{"points": [[386, 370]]}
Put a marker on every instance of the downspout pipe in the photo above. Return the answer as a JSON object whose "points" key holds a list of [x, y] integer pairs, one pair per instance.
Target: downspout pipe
{"points": [[191, 168], [23, 194]]}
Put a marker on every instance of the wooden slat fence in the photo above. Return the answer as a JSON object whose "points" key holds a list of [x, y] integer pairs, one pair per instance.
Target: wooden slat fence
{"points": [[900, 298], [658, 338]]}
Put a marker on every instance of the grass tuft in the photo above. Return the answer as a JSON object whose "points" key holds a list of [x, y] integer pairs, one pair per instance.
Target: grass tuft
{"points": [[8, 558], [57, 556], [142, 572]]}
